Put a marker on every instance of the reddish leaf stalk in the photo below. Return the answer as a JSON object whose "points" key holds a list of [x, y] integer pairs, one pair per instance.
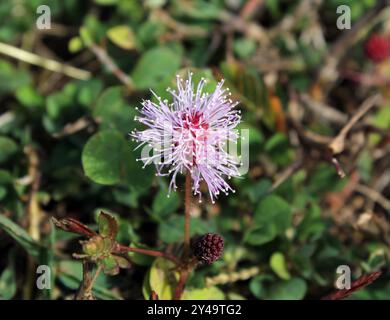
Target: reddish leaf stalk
{"points": [[358, 284], [123, 249], [187, 238]]}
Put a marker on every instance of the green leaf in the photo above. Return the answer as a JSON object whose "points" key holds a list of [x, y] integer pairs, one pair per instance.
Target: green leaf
{"points": [[258, 190], [257, 286], [3, 192], [276, 143], [171, 230], [105, 157], [108, 159], [29, 97], [244, 48], [106, 2], [324, 179], [112, 111], [202, 10], [86, 36], [89, 91], [75, 45], [258, 235], [11, 78], [272, 217], [108, 226], [123, 36], [209, 293], [273, 209], [5, 177], [156, 65], [122, 262], [164, 205], [7, 284], [8, 148], [21, 236], [293, 289], [162, 278], [278, 265], [277, 147], [110, 265]]}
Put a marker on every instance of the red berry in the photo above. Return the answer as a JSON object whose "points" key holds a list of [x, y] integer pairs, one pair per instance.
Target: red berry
{"points": [[208, 247], [377, 48]]}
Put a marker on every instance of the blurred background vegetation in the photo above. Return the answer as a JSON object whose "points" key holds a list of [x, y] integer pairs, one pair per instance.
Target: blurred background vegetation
{"points": [[65, 150]]}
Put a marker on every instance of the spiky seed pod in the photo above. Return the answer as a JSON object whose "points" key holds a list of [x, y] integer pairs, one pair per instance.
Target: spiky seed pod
{"points": [[377, 48], [208, 248]]}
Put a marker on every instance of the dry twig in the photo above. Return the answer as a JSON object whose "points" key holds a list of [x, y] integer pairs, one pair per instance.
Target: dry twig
{"points": [[358, 284], [48, 64], [107, 61]]}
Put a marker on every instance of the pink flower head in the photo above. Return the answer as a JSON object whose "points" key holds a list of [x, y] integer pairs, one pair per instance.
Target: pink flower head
{"points": [[192, 134]]}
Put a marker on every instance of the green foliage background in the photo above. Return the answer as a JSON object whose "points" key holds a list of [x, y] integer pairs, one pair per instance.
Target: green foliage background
{"points": [[284, 244]]}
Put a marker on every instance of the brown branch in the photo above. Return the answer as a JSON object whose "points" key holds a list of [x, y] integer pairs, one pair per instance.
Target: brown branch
{"points": [[85, 289], [187, 213], [33, 212], [250, 8], [309, 141], [358, 284], [118, 248], [181, 284], [323, 110], [338, 143], [109, 63], [374, 195], [73, 127], [42, 62], [33, 209]]}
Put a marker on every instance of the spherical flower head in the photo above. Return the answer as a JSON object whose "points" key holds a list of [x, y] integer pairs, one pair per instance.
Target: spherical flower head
{"points": [[208, 248], [377, 48], [191, 135]]}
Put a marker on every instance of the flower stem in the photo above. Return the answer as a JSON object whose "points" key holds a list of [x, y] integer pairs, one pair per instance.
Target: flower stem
{"points": [[187, 206], [187, 236], [85, 290], [186, 270], [181, 284]]}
